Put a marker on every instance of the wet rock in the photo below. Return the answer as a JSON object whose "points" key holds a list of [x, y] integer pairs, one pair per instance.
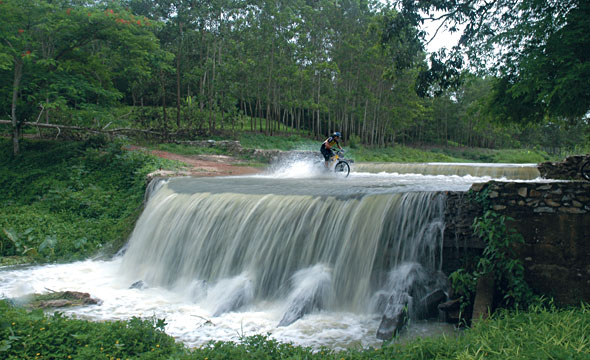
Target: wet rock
{"points": [[235, 298], [297, 309], [484, 298], [61, 299], [428, 306], [451, 308], [569, 169], [309, 290], [138, 285], [395, 316]]}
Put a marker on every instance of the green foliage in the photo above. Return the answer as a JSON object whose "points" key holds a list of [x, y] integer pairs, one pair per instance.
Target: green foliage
{"points": [[398, 153], [511, 156], [539, 333], [64, 50], [498, 259], [68, 200], [29, 335], [287, 142]]}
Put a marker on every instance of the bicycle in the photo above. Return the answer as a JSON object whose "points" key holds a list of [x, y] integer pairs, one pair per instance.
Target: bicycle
{"points": [[342, 167], [585, 170]]}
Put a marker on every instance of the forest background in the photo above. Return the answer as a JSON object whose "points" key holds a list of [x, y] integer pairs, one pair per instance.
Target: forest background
{"points": [[184, 69]]}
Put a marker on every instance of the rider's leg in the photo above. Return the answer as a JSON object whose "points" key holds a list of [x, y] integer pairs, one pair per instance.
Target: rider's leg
{"points": [[327, 153]]}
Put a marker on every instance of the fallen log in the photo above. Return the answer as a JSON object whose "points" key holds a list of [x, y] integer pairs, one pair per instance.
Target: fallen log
{"points": [[79, 128]]}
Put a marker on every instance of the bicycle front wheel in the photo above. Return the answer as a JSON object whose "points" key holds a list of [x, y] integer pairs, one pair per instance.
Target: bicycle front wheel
{"points": [[585, 170], [342, 169]]}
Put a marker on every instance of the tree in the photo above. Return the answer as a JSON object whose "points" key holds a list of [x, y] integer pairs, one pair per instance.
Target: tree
{"points": [[538, 49], [68, 56], [16, 48]]}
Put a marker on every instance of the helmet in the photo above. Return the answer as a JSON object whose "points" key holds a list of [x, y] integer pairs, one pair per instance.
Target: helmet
{"points": [[336, 134]]}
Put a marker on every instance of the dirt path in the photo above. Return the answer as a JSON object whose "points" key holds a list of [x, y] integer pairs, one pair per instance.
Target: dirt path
{"points": [[202, 165]]}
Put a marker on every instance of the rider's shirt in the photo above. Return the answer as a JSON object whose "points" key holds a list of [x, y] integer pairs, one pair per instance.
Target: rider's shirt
{"points": [[330, 142]]}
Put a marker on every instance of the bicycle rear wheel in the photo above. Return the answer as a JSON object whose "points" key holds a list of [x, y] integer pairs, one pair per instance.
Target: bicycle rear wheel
{"points": [[342, 169], [585, 170]]}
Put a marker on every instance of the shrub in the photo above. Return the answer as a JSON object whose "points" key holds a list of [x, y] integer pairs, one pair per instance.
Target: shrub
{"points": [[67, 200]]}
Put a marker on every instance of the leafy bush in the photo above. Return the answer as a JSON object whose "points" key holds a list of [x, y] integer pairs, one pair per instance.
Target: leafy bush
{"points": [[498, 259], [66, 200], [33, 335]]}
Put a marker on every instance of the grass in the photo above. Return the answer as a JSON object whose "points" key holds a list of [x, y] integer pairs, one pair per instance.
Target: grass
{"points": [[514, 156], [279, 142], [399, 153], [540, 333]]}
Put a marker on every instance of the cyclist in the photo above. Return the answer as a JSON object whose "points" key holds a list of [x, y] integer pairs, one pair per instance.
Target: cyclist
{"points": [[327, 146]]}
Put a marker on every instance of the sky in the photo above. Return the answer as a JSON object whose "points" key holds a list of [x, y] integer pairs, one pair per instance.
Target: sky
{"points": [[444, 38]]}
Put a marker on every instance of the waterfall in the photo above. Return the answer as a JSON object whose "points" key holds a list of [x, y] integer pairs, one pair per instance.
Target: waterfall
{"points": [[230, 250]]}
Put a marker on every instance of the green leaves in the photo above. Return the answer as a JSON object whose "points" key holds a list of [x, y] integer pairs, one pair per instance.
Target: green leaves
{"points": [[534, 51], [68, 200], [33, 334], [498, 258]]}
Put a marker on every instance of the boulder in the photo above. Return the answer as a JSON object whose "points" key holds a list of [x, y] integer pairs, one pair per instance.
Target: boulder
{"points": [[61, 299], [297, 309], [428, 305], [451, 308], [395, 317], [138, 285]]}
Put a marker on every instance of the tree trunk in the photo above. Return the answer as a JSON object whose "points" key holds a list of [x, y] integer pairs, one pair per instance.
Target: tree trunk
{"points": [[272, 57], [164, 114], [18, 73], [178, 77]]}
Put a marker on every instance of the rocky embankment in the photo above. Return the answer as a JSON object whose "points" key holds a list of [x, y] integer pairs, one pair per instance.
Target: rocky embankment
{"points": [[569, 169]]}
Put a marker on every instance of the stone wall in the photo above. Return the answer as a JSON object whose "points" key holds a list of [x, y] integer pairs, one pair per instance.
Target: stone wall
{"points": [[569, 169], [554, 220], [459, 243]]}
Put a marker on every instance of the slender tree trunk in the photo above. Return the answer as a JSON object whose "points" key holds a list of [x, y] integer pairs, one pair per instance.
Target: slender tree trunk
{"points": [[178, 77], [47, 109], [18, 73], [272, 57], [212, 94], [252, 125], [164, 114], [319, 121]]}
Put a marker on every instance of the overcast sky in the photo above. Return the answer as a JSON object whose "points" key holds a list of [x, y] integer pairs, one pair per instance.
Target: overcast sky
{"points": [[443, 39]]}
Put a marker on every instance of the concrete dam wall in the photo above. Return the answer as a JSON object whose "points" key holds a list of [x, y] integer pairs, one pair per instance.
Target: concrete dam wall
{"points": [[554, 220]]}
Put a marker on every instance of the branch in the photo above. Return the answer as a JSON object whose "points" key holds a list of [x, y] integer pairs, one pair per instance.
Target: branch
{"points": [[41, 112], [78, 128]]}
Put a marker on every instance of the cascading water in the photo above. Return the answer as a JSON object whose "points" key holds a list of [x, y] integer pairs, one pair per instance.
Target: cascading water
{"points": [[263, 247]]}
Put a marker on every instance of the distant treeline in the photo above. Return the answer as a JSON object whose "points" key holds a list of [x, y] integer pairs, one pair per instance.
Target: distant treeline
{"points": [[351, 66]]}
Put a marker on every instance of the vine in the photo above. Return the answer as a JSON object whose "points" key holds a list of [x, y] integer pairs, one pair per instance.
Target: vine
{"points": [[498, 259]]}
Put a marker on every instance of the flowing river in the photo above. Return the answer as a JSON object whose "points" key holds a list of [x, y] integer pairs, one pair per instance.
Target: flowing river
{"points": [[295, 253]]}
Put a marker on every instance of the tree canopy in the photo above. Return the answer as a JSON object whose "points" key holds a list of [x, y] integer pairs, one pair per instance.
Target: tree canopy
{"points": [[537, 49], [198, 68]]}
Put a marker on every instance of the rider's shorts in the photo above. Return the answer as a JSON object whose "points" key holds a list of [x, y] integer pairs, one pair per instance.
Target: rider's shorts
{"points": [[326, 152]]}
